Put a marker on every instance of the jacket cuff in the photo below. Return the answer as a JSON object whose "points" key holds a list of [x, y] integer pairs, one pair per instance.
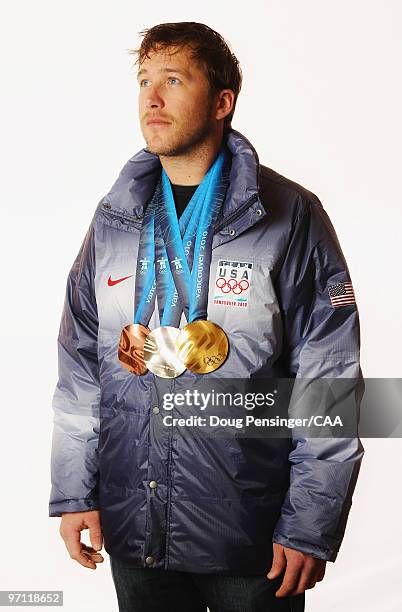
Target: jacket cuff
{"points": [[73, 505], [318, 552]]}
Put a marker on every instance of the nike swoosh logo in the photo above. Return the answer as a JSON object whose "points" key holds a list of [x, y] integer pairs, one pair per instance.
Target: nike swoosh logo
{"points": [[111, 282]]}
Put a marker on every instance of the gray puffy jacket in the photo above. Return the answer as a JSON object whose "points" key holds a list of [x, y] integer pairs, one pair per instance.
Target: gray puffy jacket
{"points": [[215, 505]]}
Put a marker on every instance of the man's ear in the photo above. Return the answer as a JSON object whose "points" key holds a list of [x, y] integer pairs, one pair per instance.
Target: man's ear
{"points": [[224, 103]]}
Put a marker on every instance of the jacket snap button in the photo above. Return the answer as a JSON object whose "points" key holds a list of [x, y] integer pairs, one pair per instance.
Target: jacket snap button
{"points": [[155, 410], [258, 212], [149, 560], [232, 232], [153, 484]]}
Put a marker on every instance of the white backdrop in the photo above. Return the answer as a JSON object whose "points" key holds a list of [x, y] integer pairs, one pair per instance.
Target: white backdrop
{"points": [[321, 103]]}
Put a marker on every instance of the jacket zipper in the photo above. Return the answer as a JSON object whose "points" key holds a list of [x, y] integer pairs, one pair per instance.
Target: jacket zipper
{"points": [[169, 487], [238, 212]]}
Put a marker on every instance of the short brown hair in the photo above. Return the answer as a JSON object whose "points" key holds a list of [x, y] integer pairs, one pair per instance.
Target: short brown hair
{"points": [[209, 48]]}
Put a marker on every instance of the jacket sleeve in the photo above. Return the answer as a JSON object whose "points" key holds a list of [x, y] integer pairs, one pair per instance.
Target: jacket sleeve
{"points": [[321, 340], [74, 455]]}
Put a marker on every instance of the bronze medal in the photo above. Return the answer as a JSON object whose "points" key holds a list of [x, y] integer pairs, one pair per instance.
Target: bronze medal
{"points": [[160, 353], [131, 348], [202, 346]]}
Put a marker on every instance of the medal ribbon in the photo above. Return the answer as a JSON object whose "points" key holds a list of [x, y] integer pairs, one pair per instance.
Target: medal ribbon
{"points": [[145, 285], [169, 303], [151, 262], [191, 281]]}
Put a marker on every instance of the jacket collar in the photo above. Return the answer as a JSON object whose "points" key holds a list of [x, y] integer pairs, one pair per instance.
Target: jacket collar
{"points": [[136, 181]]}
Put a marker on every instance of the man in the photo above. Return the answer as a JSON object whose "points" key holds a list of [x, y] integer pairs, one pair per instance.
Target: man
{"points": [[188, 522]]}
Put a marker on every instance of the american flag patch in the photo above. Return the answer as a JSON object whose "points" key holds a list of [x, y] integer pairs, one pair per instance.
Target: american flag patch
{"points": [[341, 294]]}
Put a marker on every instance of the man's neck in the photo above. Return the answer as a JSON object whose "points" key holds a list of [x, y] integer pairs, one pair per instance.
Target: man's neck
{"points": [[191, 167]]}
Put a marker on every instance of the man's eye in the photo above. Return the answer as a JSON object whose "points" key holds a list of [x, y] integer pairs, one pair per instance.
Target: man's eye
{"points": [[142, 83], [174, 79]]}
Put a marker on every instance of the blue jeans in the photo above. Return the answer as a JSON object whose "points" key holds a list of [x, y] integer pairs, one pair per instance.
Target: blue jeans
{"points": [[154, 590]]}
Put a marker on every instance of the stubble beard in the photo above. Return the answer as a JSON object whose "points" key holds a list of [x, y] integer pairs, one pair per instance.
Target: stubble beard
{"points": [[187, 141]]}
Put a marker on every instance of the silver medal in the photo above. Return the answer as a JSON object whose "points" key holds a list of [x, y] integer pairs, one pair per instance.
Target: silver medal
{"points": [[160, 352]]}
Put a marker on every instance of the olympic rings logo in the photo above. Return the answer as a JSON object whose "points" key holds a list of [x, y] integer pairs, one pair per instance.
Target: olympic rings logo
{"points": [[232, 284]]}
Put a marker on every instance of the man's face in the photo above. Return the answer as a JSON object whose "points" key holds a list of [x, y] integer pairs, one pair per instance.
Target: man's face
{"points": [[175, 106]]}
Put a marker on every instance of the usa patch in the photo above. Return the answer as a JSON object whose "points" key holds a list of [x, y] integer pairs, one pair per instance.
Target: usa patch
{"points": [[341, 294], [232, 283]]}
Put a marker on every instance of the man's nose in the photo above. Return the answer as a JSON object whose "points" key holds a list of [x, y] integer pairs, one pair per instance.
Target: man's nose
{"points": [[154, 99]]}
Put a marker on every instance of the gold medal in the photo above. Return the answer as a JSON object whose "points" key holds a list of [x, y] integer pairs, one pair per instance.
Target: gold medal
{"points": [[131, 348], [160, 353], [202, 346]]}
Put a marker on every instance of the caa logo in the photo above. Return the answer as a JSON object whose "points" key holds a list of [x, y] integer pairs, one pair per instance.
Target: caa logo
{"points": [[232, 283]]}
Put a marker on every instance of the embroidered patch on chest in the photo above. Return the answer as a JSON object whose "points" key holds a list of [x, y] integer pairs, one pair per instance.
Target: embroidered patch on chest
{"points": [[232, 283]]}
